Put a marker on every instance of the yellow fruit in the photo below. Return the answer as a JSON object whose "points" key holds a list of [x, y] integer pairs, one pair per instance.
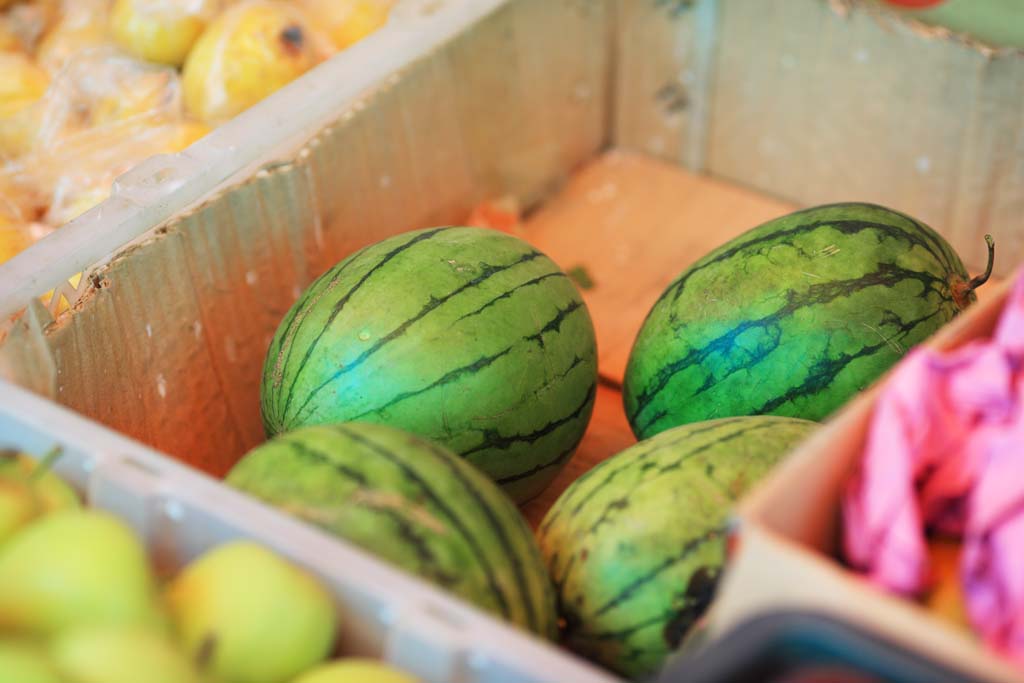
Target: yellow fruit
{"points": [[247, 53], [23, 24], [160, 31], [22, 83], [151, 94], [348, 21], [82, 26], [187, 132], [14, 238], [355, 671]]}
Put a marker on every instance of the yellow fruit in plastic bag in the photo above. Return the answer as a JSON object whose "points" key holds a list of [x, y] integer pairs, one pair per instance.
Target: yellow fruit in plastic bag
{"points": [[21, 83], [154, 94], [23, 25], [188, 132], [83, 26], [247, 53], [14, 238], [348, 21], [160, 31]]}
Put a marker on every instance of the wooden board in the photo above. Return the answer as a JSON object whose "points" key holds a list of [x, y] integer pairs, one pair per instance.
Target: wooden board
{"points": [[634, 224]]}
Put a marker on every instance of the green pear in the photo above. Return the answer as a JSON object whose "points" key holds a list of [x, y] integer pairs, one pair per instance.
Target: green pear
{"points": [[72, 568], [120, 654], [355, 671], [28, 489], [52, 492], [248, 616], [22, 661], [18, 507]]}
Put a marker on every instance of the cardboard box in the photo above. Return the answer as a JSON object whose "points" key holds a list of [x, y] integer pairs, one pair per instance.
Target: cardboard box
{"points": [[786, 537], [768, 104]]}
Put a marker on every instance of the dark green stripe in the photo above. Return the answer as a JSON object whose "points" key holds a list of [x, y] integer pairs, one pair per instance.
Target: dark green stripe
{"points": [[431, 495], [659, 449], [508, 294], [537, 469], [318, 456], [887, 275], [823, 372], [428, 565], [662, 449], [846, 227], [555, 324], [487, 271], [621, 633], [340, 305], [515, 561], [493, 439], [637, 584], [447, 378]]}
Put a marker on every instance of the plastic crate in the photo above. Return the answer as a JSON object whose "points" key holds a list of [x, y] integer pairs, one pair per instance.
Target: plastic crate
{"points": [[180, 513]]}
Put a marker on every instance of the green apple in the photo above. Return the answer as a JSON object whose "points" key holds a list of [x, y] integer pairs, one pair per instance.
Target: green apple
{"points": [[72, 568], [248, 616], [22, 661], [120, 654], [355, 671]]}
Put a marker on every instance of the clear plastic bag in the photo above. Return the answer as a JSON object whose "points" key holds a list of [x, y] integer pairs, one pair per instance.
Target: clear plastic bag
{"points": [[83, 25], [104, 113]]}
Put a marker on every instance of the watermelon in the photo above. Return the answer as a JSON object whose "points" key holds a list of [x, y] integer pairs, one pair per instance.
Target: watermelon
{"points": [[793, 318], [412, 503], [469, 337], [635, 546]]}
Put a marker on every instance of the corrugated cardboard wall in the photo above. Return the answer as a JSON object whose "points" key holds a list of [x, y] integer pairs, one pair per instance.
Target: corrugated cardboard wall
{"points": [[814, 105], [170, 348]]}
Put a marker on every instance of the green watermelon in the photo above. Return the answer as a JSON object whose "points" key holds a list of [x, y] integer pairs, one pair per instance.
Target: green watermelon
{"points": [[412, 503], [793, 318], [469, 337], [635, 546]]}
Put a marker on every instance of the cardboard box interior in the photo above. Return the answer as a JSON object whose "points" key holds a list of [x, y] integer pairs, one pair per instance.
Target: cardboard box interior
{"points": [[767, 104]]}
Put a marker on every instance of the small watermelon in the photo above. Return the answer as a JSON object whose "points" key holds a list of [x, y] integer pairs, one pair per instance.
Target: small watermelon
{"points": [[412, 503], [793, 318], [636, 545], [469, 337]]}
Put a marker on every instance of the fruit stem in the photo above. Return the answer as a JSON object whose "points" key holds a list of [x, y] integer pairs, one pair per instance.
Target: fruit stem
{"points": [[983, 278], [46, 463]]}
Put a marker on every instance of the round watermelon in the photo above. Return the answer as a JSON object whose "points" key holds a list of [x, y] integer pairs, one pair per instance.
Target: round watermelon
{"points": [[635, 546], [469, 337], [412, 503]]}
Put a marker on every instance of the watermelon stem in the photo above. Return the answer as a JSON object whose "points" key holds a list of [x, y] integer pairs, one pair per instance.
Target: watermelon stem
{"points": [[983, 278]]}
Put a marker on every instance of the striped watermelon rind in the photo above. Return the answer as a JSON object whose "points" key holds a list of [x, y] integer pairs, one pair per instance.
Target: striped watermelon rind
{"points": [[792, 318], [635, 546], [412, 503], [469, 337]]}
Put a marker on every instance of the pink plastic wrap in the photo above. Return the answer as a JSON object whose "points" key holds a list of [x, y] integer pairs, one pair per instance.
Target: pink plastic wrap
{"points": [[945, 454]]}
